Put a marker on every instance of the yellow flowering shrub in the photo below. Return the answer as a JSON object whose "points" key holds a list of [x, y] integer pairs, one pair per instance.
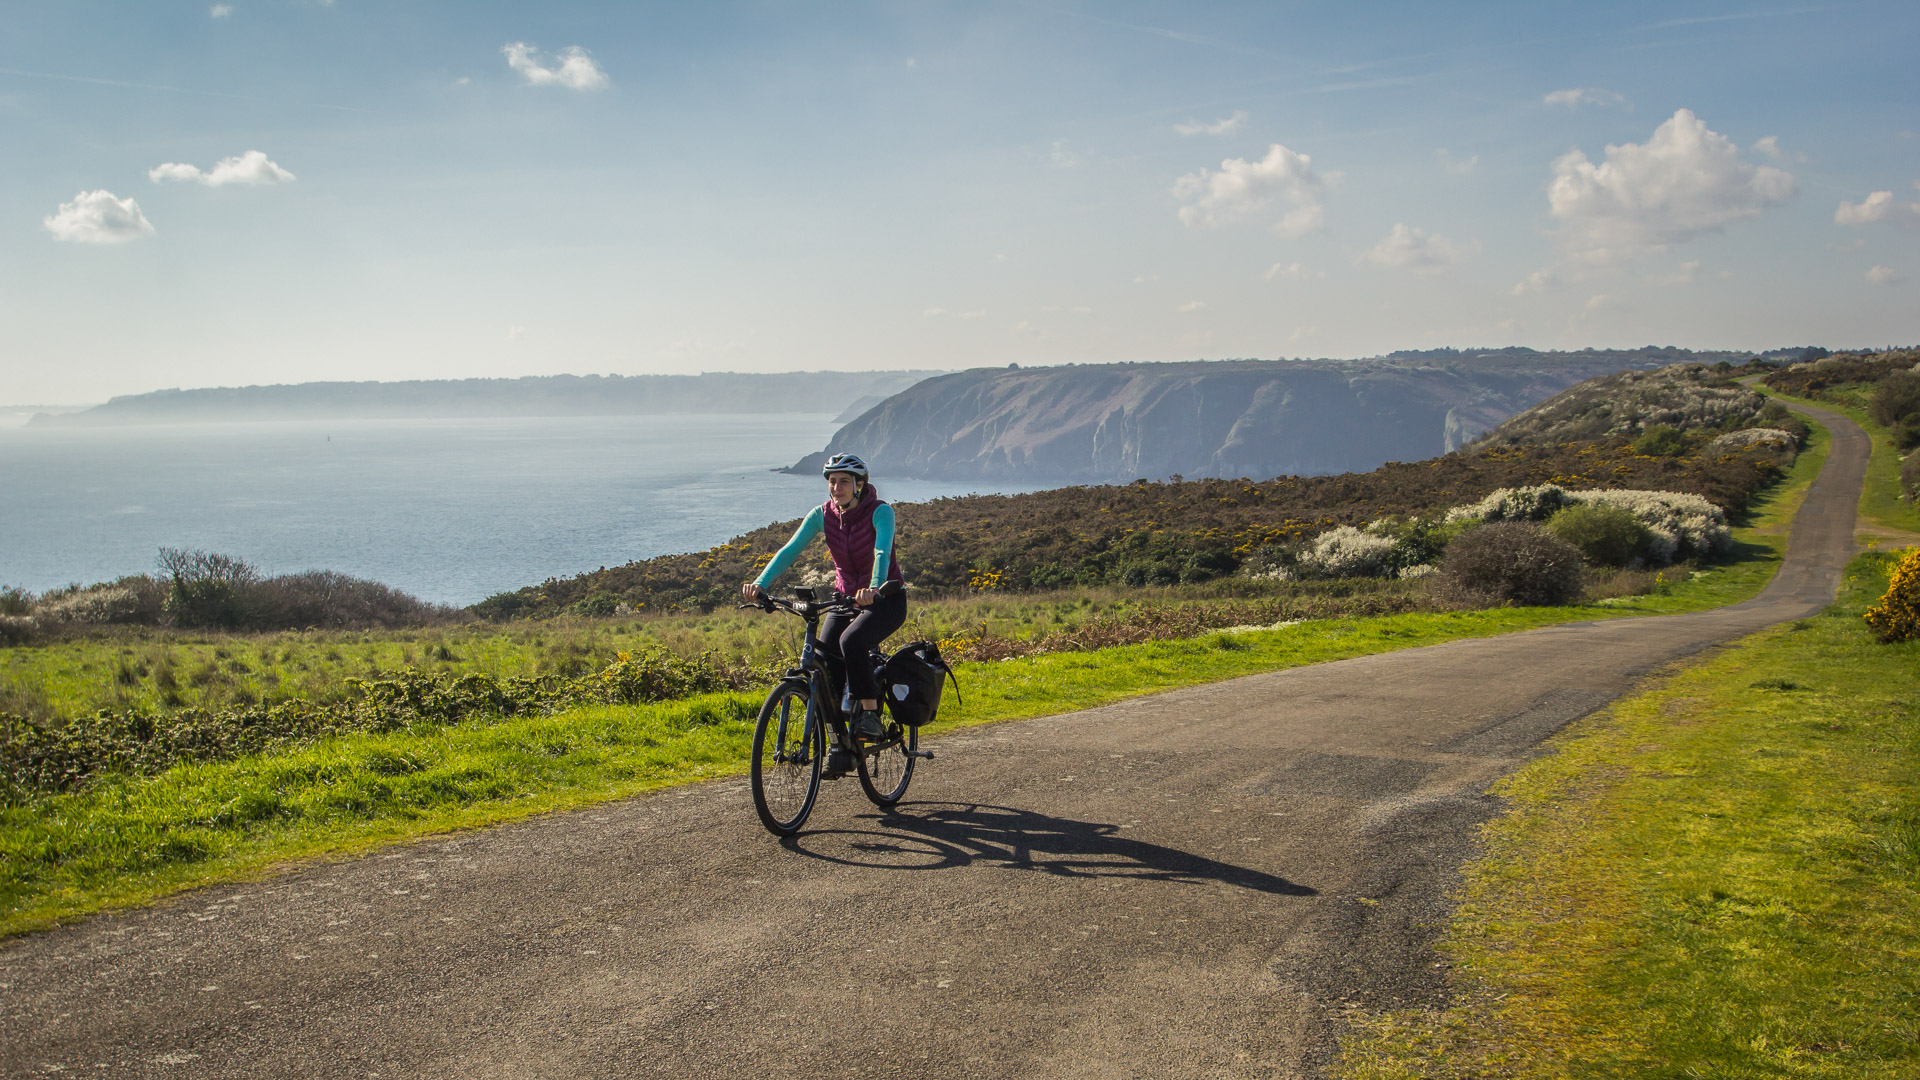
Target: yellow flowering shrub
{"points": [[1897, 617]]}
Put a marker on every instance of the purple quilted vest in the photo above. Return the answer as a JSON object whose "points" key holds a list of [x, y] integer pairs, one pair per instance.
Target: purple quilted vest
{"points": [[850, 540]]}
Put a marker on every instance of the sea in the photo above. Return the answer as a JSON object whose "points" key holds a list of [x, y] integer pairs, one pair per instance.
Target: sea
{"points": [[450, 510]]}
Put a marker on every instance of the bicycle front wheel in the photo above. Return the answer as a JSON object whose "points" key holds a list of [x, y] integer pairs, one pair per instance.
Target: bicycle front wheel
{"points": [[886, 771], [789, 743]]}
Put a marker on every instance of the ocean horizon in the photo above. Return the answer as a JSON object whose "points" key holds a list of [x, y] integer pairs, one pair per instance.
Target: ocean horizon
{"points": [[451, 510]]}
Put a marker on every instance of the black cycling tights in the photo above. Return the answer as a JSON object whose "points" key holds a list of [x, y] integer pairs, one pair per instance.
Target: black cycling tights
{"points": [[842, 636]]}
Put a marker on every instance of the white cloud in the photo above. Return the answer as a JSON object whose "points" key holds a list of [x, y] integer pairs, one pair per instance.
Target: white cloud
{"points": [[220, 11], [1293, 272], [1416, 249], [1770, 146], [1596, 303], [575, 70], [1539, 281], [1062, 157], [1303, 333], [251, 168], [516, 333], [1684, 181], [1224, 126], [1884, 275], [1454, 165], [1877, 207], [1191, 306], [1584, 95], [98, 217], [1242, 189]]}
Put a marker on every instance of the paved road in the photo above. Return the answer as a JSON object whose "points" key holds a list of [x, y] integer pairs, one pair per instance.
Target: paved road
{"points": [[1189, 885]]}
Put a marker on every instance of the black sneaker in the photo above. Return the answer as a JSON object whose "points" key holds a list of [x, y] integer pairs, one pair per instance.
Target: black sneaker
{"points": [[839, 764], [868, 725]]}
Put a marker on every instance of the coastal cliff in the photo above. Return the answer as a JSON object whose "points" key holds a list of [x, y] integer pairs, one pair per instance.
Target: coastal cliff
{"points": [[1113, 423]]}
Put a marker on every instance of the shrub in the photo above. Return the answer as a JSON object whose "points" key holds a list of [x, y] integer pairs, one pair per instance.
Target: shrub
{"points": [[1906, 433], [1897, 618], [207, 589], [1606, 535], [1348, 552], [1895, 398], [1514, 504], [1678, 524], [1777, 416], [1661, 440], [15, 601], [1513, 562], [1768, 437], [136, 600], [1910, 476]]}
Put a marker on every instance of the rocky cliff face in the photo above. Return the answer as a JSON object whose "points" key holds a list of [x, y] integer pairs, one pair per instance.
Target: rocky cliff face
{"points": [[1113, 423]]}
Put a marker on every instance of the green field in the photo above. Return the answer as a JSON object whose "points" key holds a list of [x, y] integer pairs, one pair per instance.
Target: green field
{"points": [[1717, 878], [127, 840]]}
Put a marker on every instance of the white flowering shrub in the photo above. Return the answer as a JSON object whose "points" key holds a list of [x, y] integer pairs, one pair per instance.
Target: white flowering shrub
{"points": [[1411, 573], [1679, 525], [1515, 504], [1348, 552], [1736, 441], [100, 604]]}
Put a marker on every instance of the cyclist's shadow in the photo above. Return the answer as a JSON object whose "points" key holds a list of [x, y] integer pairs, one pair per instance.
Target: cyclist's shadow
{"points": [[941, 836]]}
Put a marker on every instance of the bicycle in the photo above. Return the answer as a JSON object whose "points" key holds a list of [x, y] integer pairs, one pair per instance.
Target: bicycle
{"points": [[790, 735]]}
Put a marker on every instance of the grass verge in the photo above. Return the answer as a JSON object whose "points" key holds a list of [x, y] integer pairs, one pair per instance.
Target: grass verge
{"points": [[1720, 877], [131, 840]]}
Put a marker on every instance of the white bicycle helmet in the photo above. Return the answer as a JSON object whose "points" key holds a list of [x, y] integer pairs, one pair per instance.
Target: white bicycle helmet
{"points": [[846, 463]]}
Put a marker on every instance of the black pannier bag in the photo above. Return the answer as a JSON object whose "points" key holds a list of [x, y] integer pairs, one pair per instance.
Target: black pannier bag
{"points": [[911, 681]]}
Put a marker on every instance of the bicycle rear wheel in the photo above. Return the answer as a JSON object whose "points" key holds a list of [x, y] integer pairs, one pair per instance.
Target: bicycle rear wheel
{"points": [[886, 772], [788, 746]]}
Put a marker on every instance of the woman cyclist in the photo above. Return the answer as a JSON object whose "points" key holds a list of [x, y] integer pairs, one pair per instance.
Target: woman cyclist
{"points": [[859, 531]]}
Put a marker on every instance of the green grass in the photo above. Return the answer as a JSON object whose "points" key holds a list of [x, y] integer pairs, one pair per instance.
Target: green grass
{"points": [[1880, 500], [1717, 878], [130, 840]]}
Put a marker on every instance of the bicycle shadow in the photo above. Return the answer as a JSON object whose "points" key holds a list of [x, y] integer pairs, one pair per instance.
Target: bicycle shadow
{"points": [[944, 836]]}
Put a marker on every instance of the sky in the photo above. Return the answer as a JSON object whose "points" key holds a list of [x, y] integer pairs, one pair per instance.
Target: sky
{"points": [[272, 191]]}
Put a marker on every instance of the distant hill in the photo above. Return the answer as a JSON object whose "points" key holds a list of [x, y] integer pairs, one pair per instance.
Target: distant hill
{"points": [[1688, 397], [550, 395], [1112, 423]]}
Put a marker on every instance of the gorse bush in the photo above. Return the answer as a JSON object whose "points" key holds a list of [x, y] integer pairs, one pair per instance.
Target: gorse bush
{"points": [[1510, 562], [1897, 616], [1606, 535]]}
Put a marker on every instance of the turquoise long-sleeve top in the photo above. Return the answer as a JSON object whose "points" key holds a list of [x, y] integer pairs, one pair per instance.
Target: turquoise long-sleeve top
{"points": [[813, 525]]}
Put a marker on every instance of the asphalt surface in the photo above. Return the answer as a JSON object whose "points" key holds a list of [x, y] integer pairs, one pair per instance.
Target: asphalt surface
{"points": [[1195, 884]]}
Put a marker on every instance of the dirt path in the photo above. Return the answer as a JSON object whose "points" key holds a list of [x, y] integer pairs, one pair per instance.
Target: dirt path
{"points": [[1189, 885]]}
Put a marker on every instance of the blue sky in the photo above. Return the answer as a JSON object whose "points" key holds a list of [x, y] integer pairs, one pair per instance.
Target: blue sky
{"points": [[436, 190]]}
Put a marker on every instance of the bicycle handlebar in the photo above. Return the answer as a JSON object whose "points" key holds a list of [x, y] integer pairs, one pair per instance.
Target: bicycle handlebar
{"points": [[838, 601]]}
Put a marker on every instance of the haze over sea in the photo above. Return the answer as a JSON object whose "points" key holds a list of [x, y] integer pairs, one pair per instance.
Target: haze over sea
{"points": [[451, 510]]}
